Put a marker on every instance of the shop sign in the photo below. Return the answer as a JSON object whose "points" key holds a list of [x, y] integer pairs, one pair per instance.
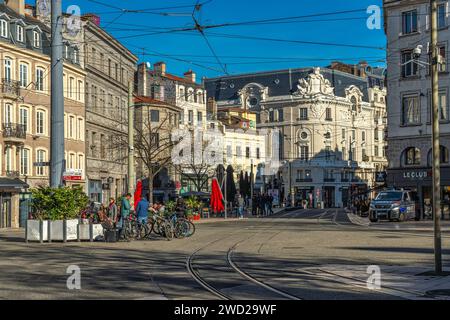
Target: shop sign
{"points": [[416, 175], [381, 177]]}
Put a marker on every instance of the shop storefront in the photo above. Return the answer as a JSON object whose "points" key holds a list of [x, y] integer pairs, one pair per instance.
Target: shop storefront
{"points": [[419, 180], [9, 202]]}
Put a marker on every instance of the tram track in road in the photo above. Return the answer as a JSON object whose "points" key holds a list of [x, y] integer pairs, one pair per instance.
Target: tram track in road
{"points": [[243, 284]]}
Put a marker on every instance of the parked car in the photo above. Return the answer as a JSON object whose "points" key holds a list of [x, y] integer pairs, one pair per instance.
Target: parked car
{"points": [[395, 205]]}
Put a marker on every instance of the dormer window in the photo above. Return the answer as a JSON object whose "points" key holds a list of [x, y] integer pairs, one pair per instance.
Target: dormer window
{"points": [[4, 28], [36, 39], [19, 33], [75, 56], [66, 52]]}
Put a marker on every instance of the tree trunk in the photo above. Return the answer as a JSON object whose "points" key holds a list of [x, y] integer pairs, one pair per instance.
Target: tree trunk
{"points": [[150, 189]]}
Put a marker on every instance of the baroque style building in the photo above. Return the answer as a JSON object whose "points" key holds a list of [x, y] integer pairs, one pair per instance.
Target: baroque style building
{"points": [[25, 107], [331, 124], [407, 25]]}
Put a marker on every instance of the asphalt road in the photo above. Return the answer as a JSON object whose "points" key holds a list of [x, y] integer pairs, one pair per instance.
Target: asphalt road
{"points": [[277, 257]]}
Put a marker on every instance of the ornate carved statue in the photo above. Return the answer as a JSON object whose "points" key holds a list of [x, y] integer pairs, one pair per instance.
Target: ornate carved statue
{"points": [[314, 84]]}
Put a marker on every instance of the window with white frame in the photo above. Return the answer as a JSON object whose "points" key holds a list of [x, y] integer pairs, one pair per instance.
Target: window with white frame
{"points": [[71, 159], [41, 156], [40, 121], [8, 69], [409, 66], [304, 152], [40, 79], [442, 15], [80, 91], [19, 33], [80, 162], [9, 159], [23, 75], [4, 28], [411, 110], [24, 118], [71, 87], [8, 114], [36, 39], [71, 132], [75, 56], [24, 162], [409, 22], [80, 129]]}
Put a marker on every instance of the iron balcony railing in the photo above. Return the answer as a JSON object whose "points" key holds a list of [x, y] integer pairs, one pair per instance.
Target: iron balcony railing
{"points": [[12, 174], [10, 87], [14, 130]]}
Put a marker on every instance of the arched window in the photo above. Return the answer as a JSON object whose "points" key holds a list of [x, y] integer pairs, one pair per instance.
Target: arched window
{"points": [[354, 102], [411, 157], [41, 156], [444, 155]]}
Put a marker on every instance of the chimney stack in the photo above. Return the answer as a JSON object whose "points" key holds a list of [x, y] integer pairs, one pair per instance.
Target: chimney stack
{"points": [[160, 68], [16, 5], [190, 75]]}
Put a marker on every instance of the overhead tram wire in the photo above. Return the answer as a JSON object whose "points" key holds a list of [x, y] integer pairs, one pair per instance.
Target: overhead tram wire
{"points": [[200, 29]]}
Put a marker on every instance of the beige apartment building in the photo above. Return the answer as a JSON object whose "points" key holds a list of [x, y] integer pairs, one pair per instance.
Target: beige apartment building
{"points": [[25, 109], [109, 67]]}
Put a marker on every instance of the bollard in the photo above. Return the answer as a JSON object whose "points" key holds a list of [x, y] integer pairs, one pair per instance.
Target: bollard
{"points": [[41, 231], [78, 230], [64, 230], [49, 231], [91, 231], [26, 231]]}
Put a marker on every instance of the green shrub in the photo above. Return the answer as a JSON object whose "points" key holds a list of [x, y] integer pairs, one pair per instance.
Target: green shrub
{"points": [[58, 203]]}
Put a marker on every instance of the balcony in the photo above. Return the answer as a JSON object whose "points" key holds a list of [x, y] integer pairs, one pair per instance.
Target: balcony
{"points": [[12, 174], [10, 88], [329, 180], [304, 180], [14, 132]]}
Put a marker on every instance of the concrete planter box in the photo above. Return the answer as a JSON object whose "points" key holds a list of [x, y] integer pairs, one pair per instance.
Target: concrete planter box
{"points": [[57, 230], [97, 231], [34, 229]]}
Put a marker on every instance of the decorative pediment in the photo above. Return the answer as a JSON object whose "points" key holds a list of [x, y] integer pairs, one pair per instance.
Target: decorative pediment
{"points": [[314, 84], [353, 91], [251, 95]]}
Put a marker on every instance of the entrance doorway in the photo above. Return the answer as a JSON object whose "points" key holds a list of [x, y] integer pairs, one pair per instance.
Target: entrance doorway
{"points": [[328, 197], [5, 210]]}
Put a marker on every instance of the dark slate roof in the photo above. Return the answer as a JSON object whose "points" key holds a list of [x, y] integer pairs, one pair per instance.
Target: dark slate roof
{"points": [[284, 82], [7, 183], [26, 18]]}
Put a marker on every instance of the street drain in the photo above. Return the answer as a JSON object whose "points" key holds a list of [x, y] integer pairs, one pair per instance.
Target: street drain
{"points": [[438, 293]]}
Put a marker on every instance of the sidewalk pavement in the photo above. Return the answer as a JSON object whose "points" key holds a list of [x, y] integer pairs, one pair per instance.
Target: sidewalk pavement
{"points": [[407, 282], [230, 219]]}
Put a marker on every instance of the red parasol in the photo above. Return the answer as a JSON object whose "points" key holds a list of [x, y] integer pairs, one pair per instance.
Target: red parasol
{"points": [[216, 197], [137, 194]]}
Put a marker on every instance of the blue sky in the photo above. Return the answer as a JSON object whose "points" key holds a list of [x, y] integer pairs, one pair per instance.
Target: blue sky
{"points": [[241, 55]]}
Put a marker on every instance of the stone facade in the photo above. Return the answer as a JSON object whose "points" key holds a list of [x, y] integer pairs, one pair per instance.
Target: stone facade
{"points": [[331, 125], [25, 108], [109, 67]]}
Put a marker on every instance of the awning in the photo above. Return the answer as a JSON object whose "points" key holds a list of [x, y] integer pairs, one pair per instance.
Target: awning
{"points": [[12, 185]]}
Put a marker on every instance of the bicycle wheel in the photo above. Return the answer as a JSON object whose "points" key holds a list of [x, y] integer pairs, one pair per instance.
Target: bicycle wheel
{"points": [[168, 231], [149, 228], [190, 228], [181, 229]]}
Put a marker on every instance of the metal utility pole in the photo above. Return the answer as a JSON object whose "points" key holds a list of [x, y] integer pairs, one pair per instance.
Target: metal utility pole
{"points": [[251, 186], [57, 99], [436, 143], [131, 173], [291, 189]]}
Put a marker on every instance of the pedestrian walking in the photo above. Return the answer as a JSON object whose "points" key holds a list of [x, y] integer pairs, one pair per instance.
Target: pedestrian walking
{"points": [[112, 211], [125, 208], [241, 206]]}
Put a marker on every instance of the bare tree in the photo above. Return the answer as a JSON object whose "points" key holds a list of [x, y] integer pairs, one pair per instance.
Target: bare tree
{"points": [[152, 140]]}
